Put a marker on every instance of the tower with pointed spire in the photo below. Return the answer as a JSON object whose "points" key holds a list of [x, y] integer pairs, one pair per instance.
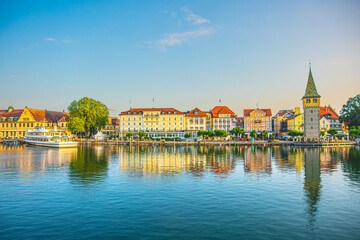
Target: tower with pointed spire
{"points": [[311, 104]]}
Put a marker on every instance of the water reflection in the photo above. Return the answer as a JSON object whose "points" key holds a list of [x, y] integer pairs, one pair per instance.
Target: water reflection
{"points": [[29, 162], [312, 183], [351, 164], [258, 160], [89, 165]]}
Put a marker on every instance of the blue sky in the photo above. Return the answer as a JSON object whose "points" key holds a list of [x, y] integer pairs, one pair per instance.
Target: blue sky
{"points": [[186, 54]]}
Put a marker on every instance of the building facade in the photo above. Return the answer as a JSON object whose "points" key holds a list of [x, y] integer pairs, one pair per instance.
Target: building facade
{"points": [[257, 119], [15, 122], [112, 127], [223, 118], [152, 120], [332, 117], [195, 120], [311, 104]]}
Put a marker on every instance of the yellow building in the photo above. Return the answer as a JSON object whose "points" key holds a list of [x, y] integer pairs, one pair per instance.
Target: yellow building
{"points": [[195, 120], [296, 122], [112, 127], [324, 124], [15, 122], [279, 121], [152, 120], [257, 119]]}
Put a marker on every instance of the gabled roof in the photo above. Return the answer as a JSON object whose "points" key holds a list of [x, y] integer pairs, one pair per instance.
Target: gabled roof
{"points": [[49, 116], [221, 110], [136, 111], [328, 110], [14, 113], [199, 114], [310, 87], [267, 111]]}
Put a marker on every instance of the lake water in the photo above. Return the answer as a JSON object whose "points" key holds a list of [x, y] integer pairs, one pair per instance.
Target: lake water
{"points": [[132, 192]]}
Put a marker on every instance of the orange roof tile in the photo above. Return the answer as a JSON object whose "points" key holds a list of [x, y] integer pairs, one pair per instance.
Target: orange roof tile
{"points": [[200, 113], [221, 110], [267, 111], [327, 110], [136, 111]]}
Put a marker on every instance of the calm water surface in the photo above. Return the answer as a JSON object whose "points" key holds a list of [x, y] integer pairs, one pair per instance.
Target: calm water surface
{"points": [[130, 192]]}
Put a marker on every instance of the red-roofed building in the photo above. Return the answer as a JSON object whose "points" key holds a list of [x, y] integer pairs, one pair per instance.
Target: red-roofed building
{"points": [[329, 118], [257, 119], [152, 120], [223, 118], [195, 120], [15, 122]]}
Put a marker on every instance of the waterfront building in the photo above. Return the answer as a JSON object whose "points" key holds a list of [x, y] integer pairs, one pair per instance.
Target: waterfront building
{"points": [[329, 115], [296, 121], [223, 118], [209, 121], [152, 120], [112, 127], [15, 122], [279, 121], [324, 124], [311, 104], [257, 119], [240, 122], [195, 120]]}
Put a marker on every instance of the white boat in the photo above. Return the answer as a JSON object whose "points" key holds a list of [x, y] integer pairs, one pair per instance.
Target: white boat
{"points": [[42, 137]]}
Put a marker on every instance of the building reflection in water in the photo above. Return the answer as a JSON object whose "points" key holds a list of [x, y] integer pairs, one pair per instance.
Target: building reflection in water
{"points": [[312, 183], [165, 161], [27, 160], [258, 160]]}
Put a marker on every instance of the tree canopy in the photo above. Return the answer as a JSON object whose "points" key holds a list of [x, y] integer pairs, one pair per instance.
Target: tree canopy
{"points": [[187, 135], [220, 133], [332, 131], [87, 115], [295, 133], [142, 134], [237, 131], [350, 113]]}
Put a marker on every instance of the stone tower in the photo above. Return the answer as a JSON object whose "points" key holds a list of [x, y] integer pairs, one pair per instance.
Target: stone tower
{"points": [[311, 104]]}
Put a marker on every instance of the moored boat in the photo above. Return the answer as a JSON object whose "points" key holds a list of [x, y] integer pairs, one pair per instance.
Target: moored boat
{"points": [[43, 137]]}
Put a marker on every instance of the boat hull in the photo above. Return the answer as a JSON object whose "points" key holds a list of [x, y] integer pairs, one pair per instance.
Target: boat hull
{"points": [[53, 144]]}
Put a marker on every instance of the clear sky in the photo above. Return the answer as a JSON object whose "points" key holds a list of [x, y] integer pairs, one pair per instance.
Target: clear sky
{"points": [[185, 54]]}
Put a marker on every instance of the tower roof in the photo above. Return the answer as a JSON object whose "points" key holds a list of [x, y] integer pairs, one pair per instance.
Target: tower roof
{"points": [[310, 87]]}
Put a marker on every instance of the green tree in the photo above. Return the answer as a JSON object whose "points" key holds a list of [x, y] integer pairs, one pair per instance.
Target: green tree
{"points": [[76, 124], [253, 134], [220, 133], [187, 135], [264, 134], [332, 131], [295, 133], [237, 131], [90, 115], [350, 113], [141, 135], [322, 133], [354, 132], [129, 135]]}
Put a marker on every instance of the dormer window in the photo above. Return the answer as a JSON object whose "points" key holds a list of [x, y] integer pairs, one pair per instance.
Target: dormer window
{"points": [[134, 112], [129, 112], [196, 112]]}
